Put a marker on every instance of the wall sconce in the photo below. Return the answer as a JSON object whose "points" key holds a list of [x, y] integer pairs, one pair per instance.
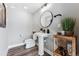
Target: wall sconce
{"points": [[57, 15]]}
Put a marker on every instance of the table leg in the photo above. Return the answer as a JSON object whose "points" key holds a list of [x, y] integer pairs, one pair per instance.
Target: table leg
{"points": [[73, 47]]}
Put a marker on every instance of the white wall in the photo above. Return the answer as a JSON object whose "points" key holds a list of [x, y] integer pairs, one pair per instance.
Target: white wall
{"points": [[66, 10], [19, 25], [3, 42]]}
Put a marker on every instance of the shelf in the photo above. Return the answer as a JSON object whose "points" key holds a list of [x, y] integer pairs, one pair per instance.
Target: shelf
{"points": [[65, 40], [60, 51]]}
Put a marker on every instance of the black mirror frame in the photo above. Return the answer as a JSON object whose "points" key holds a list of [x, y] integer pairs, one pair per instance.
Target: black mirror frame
{"points": [[50, 21]]}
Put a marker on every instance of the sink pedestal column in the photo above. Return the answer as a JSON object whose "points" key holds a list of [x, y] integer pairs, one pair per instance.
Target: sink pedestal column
{"points": [[41, 45]]}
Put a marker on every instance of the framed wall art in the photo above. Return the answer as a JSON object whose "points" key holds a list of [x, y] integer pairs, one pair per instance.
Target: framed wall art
{"points": [[2, 15]]}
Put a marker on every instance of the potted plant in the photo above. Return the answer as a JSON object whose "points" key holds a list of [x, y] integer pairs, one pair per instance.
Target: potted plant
{"points": [[68, 24]]}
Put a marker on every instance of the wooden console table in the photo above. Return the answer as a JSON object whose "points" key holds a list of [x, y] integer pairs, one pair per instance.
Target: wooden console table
{"points": [[72, 39]]}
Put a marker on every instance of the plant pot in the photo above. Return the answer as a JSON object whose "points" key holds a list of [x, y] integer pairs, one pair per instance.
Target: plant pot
{"points": [[69, 33]]}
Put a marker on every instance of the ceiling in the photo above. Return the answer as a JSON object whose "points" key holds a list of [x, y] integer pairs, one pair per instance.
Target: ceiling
{"points": [[30, 7]]}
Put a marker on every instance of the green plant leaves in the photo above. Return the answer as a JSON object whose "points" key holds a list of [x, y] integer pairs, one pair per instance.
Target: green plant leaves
{"points": [[68, 24]]}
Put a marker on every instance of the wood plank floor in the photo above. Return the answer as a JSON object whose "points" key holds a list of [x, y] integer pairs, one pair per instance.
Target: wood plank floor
{"points": [[20, 51]]}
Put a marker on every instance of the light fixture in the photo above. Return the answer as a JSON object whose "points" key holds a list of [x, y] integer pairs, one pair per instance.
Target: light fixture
{"points": [[44, 5], [25, 7]]}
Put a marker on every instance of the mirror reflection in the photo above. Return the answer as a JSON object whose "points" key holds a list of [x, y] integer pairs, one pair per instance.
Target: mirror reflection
{"points": [[46, 18]]}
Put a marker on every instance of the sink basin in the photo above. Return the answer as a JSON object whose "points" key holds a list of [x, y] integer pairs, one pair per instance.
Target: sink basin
{"points": [[42, 34]]}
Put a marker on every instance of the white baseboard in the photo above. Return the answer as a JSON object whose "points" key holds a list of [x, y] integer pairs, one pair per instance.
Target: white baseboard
{"points": [[12, 46]]}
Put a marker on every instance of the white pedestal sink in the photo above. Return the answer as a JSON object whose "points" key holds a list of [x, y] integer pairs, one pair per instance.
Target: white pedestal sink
{"points": [[41, 37]]}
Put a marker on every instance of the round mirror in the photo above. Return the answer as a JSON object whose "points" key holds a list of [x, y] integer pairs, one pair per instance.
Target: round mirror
{"points": [[46, 19]]}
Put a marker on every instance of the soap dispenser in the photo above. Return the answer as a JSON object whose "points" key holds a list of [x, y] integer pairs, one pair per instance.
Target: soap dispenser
{"points": [[48, 31]]}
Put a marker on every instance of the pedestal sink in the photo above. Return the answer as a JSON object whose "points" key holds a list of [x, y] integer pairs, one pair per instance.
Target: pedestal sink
{"points": [[41, 37]]}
